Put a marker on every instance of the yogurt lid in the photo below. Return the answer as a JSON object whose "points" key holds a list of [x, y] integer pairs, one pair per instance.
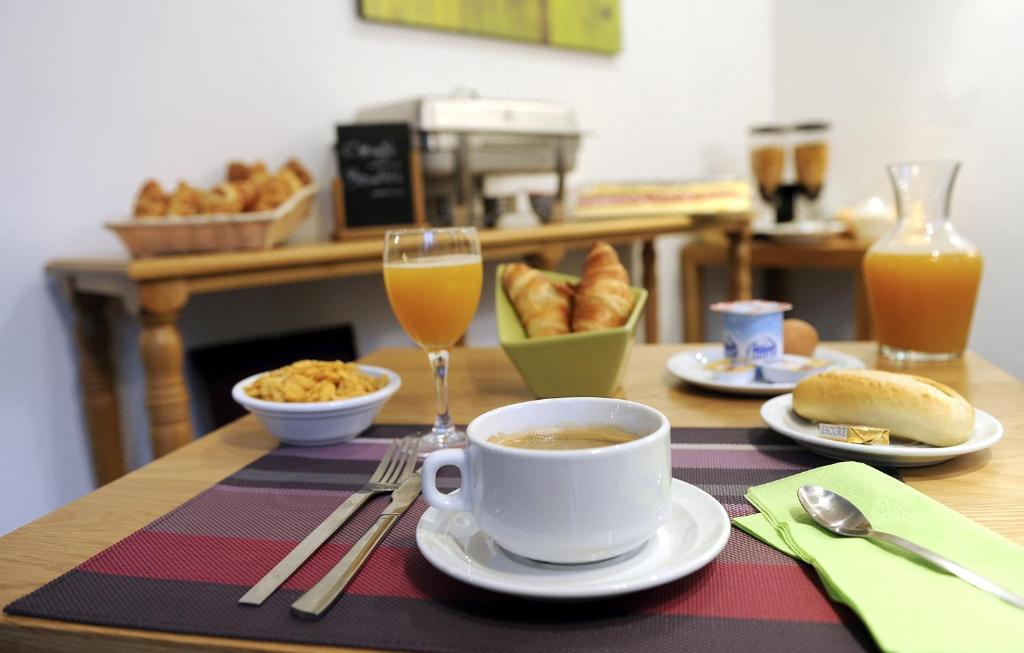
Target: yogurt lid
{"points": [[751, 307]]}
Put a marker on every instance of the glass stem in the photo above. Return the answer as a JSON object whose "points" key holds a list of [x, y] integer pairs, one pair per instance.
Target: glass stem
{"points": [[443, 426]]}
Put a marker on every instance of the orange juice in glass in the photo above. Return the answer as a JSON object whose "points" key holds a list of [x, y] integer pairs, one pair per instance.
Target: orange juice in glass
{"points": [[433, 279], [435, 299]]}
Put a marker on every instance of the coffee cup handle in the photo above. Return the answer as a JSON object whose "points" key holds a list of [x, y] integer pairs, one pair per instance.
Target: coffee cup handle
{"points": [[456, 501]]}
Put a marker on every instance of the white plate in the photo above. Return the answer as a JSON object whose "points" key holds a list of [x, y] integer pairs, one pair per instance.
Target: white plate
{"points": [[778, 414], [695, 533], [689, 366]]}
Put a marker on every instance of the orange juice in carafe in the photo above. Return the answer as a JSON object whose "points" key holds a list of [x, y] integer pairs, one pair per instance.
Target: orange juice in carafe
{"points": [[922, 302], [922, 278]]}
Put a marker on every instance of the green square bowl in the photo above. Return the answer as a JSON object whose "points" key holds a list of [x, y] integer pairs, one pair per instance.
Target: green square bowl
{"points": [[589, 364]]}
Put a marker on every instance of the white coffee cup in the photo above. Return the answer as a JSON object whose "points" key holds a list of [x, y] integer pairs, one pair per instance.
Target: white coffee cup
{"points": [[563, 506]]}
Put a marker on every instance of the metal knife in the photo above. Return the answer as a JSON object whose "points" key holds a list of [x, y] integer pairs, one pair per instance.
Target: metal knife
{"points": [[387, 478], [313, 604]]}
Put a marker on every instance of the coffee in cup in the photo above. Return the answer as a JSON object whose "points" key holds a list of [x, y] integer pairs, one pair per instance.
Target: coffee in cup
{"points": [[564, 437], [562, 505]]}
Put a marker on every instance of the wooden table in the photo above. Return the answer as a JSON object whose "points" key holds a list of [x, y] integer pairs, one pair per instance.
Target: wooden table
{"points": [[833, 254], [156, 290], [987, 486]]}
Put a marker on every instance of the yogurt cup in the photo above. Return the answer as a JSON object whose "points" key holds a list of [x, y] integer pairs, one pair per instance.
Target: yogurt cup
{"points": [[752, 329]]}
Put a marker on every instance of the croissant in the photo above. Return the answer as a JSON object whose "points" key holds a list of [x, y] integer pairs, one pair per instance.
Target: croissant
{"points": [[300, 171], [543, 306], [273, 191], [603, 299], [224, 198], [291, 179], [185, 201], [239, 171], [248, 190], [151, 201]]}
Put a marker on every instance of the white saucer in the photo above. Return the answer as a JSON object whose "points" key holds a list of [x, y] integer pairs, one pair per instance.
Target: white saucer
{"points": [[778, 414], [690, 367], [802, 233], [695, 533]]}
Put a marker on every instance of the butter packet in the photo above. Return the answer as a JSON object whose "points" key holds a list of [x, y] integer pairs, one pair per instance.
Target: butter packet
{"points": [[854, 434]]}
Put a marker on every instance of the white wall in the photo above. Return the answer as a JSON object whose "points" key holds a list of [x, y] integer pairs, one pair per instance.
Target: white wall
{"points": [[922, 79], [96, 96]]}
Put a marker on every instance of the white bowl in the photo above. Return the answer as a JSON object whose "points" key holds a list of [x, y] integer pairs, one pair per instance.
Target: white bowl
{"points": [[870, 228], [316, 423]]}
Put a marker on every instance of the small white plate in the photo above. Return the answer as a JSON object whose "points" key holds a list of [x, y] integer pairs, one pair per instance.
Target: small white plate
{"points": [[690, 367], [778, 414], [802, 233], [695, 533]]}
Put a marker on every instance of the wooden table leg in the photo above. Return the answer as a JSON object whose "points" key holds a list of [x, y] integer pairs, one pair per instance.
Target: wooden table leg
{"points": [[693, 298], [167, 397], [740, 282], [652, 332], [96, 377]]}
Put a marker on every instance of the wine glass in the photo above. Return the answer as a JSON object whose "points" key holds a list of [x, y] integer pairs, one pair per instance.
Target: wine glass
{"points": [[433, 279]]}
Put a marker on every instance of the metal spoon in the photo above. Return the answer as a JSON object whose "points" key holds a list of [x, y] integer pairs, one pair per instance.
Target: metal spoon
{"points": [[840, 516]]}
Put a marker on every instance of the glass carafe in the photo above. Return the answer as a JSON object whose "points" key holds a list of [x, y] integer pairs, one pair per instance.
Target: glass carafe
{"points": [[922, 278]]}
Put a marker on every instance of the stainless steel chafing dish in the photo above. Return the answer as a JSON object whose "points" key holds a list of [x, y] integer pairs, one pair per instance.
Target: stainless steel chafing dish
{"points": [[464, 139]]}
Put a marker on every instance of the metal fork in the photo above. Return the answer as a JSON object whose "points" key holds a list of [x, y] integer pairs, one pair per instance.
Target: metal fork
{"points": [[396, 466]]}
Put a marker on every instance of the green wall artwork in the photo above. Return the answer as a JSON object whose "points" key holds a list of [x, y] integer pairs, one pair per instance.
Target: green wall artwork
{"points": [[579, 24]]}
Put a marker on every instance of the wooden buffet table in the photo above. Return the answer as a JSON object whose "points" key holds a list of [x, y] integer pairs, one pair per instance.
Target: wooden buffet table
{"points": [[156, 290], [775, 257], [987, 486]]}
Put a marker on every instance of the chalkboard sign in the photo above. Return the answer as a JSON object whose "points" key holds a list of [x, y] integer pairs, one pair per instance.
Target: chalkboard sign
{"points": [[376, 176]]}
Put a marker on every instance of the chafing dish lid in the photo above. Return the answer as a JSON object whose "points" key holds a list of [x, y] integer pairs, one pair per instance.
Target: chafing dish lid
{"points": [[476, 114]]}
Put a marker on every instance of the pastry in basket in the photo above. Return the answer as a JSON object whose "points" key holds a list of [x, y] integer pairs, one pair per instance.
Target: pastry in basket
{"points": [[543, 306], [248, 190], [238, 171], [272, 192], [300, 171], [224, 198], [185, 201], [291, 178], [603, 298], [152, 200]]}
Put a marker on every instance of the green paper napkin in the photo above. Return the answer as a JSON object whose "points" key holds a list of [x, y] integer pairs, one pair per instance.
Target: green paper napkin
{"points": [[908, 605]]}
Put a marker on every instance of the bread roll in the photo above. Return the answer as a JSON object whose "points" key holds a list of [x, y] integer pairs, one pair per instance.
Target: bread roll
{"points": [[909, 406]]}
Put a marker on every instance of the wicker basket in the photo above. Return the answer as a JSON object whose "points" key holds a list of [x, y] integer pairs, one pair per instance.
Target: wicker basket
{"points": [[219, 233]]}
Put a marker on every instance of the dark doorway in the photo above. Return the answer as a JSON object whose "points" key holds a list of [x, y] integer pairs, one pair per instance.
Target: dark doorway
{"points": [[219, 367]]}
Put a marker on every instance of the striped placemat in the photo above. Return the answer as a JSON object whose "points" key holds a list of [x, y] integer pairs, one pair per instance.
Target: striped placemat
{"points": [[185, 571]]}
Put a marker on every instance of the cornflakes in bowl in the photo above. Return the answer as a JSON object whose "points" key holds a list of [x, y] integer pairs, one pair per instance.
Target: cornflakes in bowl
{"points": [[310, 380], [313, 403]]}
